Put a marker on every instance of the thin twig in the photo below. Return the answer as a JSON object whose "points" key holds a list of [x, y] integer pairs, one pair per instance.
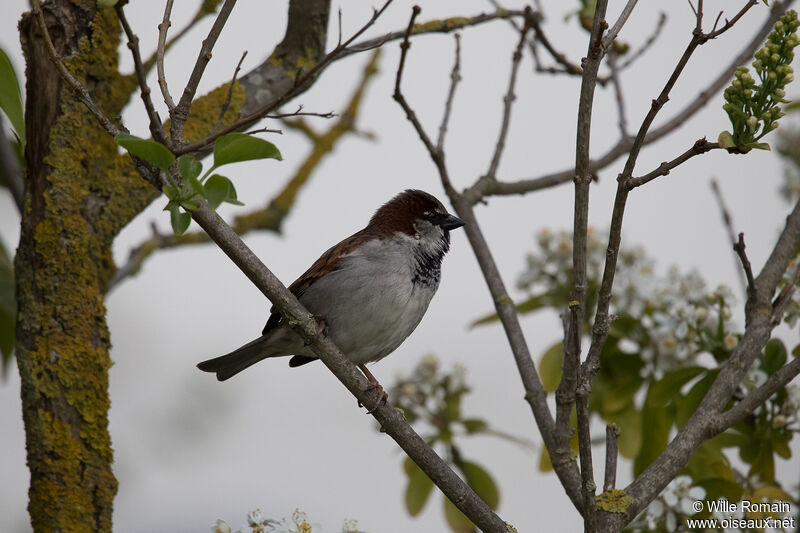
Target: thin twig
{"points": [[155, 125], [785, 296], [180, 113], [617, 27], [201, 13], [300, 83], [727, 221], [583, 177], [612, 454], [455, 77], [559, 57], [160, 50], [622, 119], [508, 100], [739, 248], [226, 104], [700, 146], [633, 56], [440, 26]]}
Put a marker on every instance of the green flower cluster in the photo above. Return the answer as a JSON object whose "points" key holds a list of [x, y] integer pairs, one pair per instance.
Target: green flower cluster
{"points": [[754, 109]]}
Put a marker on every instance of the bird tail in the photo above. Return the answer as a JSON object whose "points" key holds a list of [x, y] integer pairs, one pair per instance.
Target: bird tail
{"points": [[226, 366]]}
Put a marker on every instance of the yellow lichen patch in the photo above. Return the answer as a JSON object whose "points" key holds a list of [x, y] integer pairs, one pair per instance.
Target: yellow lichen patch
{"points": [[443, 25], [204, 113], [614, 501]]}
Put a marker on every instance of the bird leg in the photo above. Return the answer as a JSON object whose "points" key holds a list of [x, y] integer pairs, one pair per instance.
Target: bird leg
{"points": [[382, 396]]}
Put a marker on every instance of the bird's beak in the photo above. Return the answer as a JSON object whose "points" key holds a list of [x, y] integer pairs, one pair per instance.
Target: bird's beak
{"points": [[451, 222]]}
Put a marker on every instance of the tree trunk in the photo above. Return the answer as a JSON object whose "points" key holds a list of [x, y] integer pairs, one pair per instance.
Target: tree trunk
{"points": [[72, 209]]}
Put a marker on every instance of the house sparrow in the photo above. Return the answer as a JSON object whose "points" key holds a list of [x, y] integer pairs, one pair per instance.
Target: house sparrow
{"points": [[368, 292]]}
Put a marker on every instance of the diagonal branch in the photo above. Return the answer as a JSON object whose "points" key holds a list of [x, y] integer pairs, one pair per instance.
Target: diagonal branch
{"points": [[180, 113], [535, 395], [156, 129], [160, 51], [435, 26], [571, 371]]}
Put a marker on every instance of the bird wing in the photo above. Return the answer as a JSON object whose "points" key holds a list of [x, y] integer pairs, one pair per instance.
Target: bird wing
{"points": [[328, 262]]}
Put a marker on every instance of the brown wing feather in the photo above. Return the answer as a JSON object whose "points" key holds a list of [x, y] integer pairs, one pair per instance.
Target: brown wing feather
{"points": [[329, 261]]}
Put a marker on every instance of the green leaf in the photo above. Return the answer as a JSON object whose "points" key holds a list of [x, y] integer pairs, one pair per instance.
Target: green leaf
{"points": [[151, 151], [8, 309], [656, 423], [419, 487], [531, 304], [481, 482], [180, 220], [10, 96], [669, 387], [774, 356], [688, 405], [457, 520], [629, 421], [550, 367], [236, 147], [475, 425], [171, 192], [721, 488], [189, 167], [758, 146], [217, 189]]}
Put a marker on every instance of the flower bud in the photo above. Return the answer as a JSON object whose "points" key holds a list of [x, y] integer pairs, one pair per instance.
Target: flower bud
{"points": [[752, 123]]}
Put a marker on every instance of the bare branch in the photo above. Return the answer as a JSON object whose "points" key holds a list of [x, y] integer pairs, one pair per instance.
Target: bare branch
{"points": [[701, 146], [10, 169], [617, 27], [612, 454], [300, 84], [785, 296], [227, 103], [202, 12], [180, 113], [583, 178], [617, 83], [156, 128], [714, 33], [508, 100], [756, 397], [455, 77], [559, 57], [738, 247], [559, 452], [436, 26], [633, 56], [160, 50], [727, 221]]}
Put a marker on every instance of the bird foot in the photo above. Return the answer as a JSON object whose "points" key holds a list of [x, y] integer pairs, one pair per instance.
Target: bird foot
{"points": [[374, 384], [382, 397]]}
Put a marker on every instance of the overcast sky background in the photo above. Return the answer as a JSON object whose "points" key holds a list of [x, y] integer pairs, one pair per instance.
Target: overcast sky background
{"points": [[189, 450]]}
